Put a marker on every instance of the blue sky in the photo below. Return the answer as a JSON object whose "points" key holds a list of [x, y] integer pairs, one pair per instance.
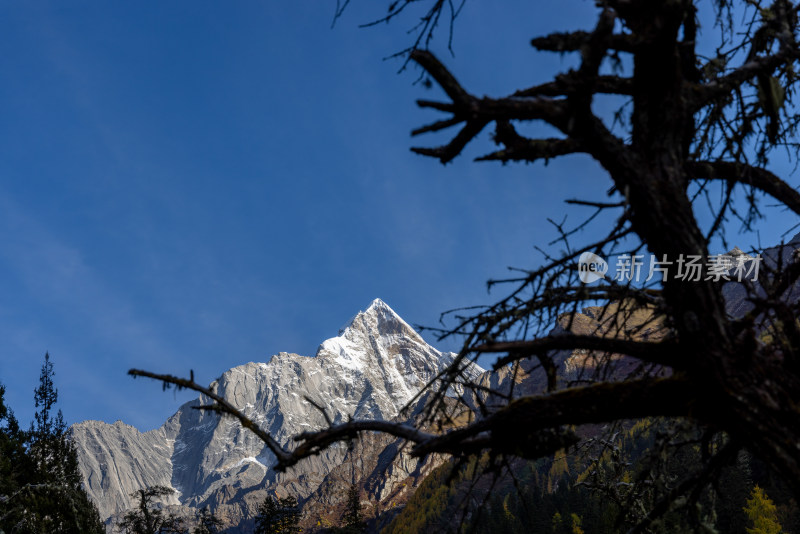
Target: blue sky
{"points": [[196, 185]]}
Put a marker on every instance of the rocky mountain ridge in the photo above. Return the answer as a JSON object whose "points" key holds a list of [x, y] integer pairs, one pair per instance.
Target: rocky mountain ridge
{"points": [[373, 367], [371, 370]]}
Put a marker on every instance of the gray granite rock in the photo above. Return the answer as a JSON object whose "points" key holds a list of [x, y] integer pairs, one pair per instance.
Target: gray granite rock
{"points": [[376, 365]]}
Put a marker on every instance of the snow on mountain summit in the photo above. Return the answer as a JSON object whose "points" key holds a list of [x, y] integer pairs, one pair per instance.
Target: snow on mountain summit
{"points": [[379, 346], [376, 365], [379, 319]]}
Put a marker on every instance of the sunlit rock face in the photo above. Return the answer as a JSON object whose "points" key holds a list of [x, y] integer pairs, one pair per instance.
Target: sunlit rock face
{"points": [[371, 370], [772, 259]]}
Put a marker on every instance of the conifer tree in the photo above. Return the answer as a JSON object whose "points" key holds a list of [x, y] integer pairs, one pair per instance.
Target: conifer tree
{"points": [[289, 515], [267, 518], [278, 516], [762, 512], [209, 523], [45, 492], [54, 456], [353, 517], [12, 450], [148, 517]]}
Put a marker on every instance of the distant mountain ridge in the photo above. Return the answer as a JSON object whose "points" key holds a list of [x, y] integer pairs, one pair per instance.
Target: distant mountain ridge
{"points": [[371, 370]]}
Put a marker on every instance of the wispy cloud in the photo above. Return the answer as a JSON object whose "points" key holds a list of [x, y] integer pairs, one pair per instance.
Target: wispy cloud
{"points": [[55, 300]]}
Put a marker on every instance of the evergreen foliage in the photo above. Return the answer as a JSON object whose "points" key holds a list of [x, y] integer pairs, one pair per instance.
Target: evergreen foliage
{"points": [[577, 493], [425, 510], [12, 449], [54, 457], [267, 518], [148, 517], [40, 484], [208, 523], [278, 516], [353, 517]]}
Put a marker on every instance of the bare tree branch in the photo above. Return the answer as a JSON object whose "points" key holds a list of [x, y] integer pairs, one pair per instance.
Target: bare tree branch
{"points": [[574, 406], [662, 352], [221, 406], [740, 173], [518, 148], [762, 65], [682, 121], [575, 41], [566, 84]]}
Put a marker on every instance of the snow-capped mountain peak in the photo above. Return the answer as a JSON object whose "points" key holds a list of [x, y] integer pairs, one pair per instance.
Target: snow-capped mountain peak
{"points": [[378, 319], [371, 370]]}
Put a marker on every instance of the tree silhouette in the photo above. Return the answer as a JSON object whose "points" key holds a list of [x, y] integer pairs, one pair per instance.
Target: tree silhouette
{"points": [[208, 523], [148, 517], [691, 132], [12, 450], [40, 484], [54, 456], [353, 518], [267, 518], [278, 516]]}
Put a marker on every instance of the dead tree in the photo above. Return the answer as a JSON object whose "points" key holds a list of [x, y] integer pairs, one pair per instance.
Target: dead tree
{"points": [[691, 130]]}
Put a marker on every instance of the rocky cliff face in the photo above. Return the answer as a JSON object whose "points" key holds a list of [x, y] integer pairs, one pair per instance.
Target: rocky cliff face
{"points": [[772, 259], [370, 371]]}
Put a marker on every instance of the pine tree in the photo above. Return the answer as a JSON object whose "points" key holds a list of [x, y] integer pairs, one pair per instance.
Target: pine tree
{"points": [[289, 515], [762, 512], [208, 523], [45, 397], [46, 495], [267, 518], [12, 450], [279, 516], [353, 517], [53, 454], [148, 517]]}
